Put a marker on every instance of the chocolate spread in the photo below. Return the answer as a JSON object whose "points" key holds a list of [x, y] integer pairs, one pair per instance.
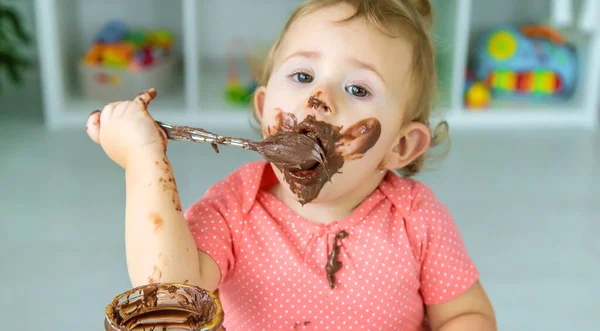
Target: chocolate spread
{"points": [[337, 144], [308, 153], [315, 102], [287, 149], [164, 307], [291, 151]]}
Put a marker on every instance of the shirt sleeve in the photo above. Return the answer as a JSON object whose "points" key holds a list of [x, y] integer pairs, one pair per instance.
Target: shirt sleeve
{"points": [[446, 267], [215, 222]]}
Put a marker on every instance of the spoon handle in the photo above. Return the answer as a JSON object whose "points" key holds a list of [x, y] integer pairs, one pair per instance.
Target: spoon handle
{"points": [[198, 135]]}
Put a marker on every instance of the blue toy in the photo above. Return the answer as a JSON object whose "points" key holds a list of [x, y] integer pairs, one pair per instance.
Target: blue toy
{"points": [[532, 63], [112, 32]]}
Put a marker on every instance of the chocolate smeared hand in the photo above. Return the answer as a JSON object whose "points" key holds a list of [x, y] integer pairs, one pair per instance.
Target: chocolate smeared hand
{"points": [[288, 150]]}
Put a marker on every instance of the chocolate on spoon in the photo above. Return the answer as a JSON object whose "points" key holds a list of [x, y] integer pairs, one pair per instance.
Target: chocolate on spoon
{"points": [[290, 150]]}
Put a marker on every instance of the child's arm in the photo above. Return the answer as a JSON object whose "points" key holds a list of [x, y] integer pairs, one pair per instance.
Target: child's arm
{"points": [[450, 286], [159, 244], [471, 310]]}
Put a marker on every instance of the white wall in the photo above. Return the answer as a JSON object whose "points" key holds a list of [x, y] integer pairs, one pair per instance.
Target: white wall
{"points": [[253, 21]]}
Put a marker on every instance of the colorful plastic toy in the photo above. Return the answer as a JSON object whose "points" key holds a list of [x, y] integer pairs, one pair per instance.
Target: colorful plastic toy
{"points": [[112, 32], [534, 63], [117, 46], [540, 82], [477, 96], [237, 93]]}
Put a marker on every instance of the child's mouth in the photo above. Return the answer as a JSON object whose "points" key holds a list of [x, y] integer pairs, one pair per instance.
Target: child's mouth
{"points": [[312, 167], [318, 152]]}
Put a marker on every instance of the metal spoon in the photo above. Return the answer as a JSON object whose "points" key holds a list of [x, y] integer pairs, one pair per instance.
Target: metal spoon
{"points": [[292, 151]]}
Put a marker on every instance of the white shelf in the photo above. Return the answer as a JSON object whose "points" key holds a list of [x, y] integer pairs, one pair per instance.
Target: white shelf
{"points": [[519, 119], [204, 29]]}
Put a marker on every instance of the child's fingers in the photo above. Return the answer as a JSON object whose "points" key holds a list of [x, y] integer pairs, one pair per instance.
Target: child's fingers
{"points": [[108, 111], [92, 126], [146, 97]]}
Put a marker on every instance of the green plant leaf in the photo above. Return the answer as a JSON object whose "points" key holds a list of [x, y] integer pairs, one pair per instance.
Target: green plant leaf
{"points": [[1, 80], [12, 36], [13, 18]]}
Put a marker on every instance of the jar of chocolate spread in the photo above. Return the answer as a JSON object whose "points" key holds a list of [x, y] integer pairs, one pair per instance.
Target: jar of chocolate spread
{"points": [[164, 307]]}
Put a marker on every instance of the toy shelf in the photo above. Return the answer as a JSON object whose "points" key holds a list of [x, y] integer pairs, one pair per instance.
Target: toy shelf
{"points": [[579, 110], [67, 29], [203, 32], [245, 34]]}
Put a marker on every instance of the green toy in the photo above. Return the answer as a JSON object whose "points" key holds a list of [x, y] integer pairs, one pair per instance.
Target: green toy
{"points": [[235, 92], [12, 35]]}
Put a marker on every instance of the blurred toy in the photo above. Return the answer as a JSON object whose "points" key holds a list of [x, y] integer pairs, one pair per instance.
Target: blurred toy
{"points": [[112, 32], [162, 39], [477, 94], [117, 46], [236, 92], [539, 83], [532, 63]]}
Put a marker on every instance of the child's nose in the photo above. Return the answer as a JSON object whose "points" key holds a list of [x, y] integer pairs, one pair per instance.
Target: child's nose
{"points": [[321, 103]]}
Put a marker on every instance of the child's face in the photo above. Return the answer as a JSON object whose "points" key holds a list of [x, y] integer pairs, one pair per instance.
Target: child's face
{"points": [[359, 79]]}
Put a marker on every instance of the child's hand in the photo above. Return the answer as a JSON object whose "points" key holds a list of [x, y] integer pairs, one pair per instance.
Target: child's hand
{"points": [[125, 129]]}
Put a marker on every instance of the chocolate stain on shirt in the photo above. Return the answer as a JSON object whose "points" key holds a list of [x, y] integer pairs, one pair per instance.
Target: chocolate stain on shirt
{"points": [[333, 264], [297, 325]]}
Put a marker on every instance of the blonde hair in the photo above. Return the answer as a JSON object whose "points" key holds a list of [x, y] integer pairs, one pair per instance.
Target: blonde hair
{"points": [[392, 17]]}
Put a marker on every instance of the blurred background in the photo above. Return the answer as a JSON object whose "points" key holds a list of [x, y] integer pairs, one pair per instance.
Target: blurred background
{"points": [[519, 86]]}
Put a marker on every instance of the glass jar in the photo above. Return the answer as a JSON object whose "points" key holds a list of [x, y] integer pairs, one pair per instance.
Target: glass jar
{"points": [[164, 306]]}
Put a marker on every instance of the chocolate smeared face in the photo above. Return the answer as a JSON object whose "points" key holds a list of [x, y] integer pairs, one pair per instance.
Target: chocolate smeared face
{"points": [[364, 92], [337, 144]]}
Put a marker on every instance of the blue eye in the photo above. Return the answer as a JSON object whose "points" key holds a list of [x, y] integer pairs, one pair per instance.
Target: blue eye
{"points": [[357, 91], [302, 77]]}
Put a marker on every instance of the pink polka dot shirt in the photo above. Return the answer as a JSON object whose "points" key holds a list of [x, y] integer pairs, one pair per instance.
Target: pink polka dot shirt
{"points": [[402, 250]]}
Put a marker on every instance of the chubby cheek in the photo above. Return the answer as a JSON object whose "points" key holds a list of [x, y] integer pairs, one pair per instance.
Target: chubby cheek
{"points": [[275, 120], [359, 138], [365, 148], [359, 166], [268, 123], [283, 99]]}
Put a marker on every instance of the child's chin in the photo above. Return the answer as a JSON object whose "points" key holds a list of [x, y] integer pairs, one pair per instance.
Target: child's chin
{"points": [[326, 194]]}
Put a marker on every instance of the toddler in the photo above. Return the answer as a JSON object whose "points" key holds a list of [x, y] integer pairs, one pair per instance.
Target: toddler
{"points": [[345, 244]]}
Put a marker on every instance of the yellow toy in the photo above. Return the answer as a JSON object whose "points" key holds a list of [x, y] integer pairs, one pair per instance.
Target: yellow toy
{"points": [[478, 96]]}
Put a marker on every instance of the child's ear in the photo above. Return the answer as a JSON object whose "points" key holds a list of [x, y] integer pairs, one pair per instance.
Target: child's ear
{"points": [[412, 141], [259, 101]]}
